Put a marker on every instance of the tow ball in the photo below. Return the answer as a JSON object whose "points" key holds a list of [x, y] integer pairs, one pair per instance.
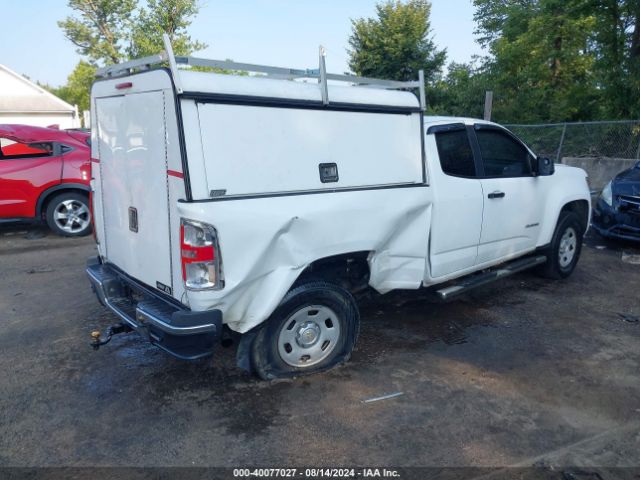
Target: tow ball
{"points": [[96, 336]]}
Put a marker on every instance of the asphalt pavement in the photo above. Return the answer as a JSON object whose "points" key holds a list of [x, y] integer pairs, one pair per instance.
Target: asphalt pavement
{"points": [[523, 372]]}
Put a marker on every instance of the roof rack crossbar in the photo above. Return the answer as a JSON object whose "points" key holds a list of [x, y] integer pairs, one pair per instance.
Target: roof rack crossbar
{"points": [[244, 67], [291, 73], [144, 62], [275, 72]]}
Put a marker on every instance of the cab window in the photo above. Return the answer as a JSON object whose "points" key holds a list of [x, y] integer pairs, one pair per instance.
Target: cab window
{"points": [[502, 155], [454, 150]]}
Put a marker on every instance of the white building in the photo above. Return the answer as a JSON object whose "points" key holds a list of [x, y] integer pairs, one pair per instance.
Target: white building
{"points": [[24, 102]]}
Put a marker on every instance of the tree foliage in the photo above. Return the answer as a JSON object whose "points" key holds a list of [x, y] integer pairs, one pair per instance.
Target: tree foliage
{"points": [[76, 91], [558, 60], [112, 31], [172, 17], [102, 31], [395, 44], [540, 65], [615, 44], [547, 60], [461, 92]]}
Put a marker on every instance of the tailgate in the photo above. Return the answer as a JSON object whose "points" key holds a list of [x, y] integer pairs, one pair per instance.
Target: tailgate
{"points": [[131, 131]]}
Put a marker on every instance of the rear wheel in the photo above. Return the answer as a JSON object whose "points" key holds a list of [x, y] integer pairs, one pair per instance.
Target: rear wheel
{"points": [[564, 250], [314, 328], [68, 214]]}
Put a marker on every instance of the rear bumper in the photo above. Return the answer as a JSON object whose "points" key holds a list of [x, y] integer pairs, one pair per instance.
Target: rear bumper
{"points": [[178, 331], [613, 223]]}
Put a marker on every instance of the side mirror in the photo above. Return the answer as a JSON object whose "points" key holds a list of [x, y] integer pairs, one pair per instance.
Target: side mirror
{"points": [[544, 166]]}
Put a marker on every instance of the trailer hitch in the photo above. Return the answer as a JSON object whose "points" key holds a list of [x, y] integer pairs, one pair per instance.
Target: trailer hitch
{"points": [[97, 342]]}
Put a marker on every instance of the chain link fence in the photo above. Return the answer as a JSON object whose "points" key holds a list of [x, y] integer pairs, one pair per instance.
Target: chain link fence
{"points": [[620, 139]]}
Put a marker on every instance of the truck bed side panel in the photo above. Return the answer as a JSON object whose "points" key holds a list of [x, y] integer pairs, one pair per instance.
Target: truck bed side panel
{"points": [[260, 150], [265, 243]]}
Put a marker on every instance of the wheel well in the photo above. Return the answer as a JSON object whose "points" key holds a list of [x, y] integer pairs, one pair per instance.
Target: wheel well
{"points": [[349, 270], [45, 198], [581, 209]]}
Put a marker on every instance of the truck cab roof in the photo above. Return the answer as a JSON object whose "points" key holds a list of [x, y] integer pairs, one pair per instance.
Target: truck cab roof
{"points": [[431, 120]]}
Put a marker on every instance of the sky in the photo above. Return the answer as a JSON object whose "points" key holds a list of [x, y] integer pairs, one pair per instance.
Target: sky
{"points": [[284, 33]]}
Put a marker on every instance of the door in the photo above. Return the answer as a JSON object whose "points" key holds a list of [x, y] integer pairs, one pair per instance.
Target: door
{"points": [[513, 197], [133, 185], [457, 212], [25, 172]]}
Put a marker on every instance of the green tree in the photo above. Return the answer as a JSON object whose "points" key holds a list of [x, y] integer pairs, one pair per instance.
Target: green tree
{"points": [[112, 31], [102, 32], [616, 45], [554, 60], [172, 17], [395, 44], [461, 92], [540, 59], [76, 91]]}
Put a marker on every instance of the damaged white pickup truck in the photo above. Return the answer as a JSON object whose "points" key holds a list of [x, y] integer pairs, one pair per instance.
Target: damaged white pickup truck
{"points": [[263, 203]]}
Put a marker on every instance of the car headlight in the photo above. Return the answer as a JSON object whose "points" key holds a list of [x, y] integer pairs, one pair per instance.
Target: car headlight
{"points": [[607, 195]]}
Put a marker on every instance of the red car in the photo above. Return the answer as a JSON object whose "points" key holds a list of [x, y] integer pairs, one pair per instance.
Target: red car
{"points": [[44, 175]]}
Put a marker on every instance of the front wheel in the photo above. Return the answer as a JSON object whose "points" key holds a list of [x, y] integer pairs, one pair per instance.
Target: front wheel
{"points": [[564, 250], [68, 214], [313, 329]]}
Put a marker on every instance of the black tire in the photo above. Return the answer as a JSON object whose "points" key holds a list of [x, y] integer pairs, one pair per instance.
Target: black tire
{"points": [[302, 300], [559, 266], [74, 204]]}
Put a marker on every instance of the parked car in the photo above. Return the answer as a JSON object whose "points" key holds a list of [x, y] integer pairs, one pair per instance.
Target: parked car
{"points": [[44, 176], [265, 205], [617, 211]]}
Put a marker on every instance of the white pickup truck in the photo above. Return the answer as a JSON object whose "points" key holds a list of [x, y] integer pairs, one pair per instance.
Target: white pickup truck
{"points": [[262, 204]]}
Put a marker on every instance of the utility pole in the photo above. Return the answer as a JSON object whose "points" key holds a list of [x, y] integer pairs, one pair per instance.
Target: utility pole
{"points": [[488, 104]]}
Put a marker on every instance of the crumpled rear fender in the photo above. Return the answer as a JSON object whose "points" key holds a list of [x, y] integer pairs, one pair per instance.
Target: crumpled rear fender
{"points": [[265, 243]]}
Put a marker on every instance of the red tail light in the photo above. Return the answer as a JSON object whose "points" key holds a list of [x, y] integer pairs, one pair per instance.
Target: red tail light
{"points": [[200, 256]]}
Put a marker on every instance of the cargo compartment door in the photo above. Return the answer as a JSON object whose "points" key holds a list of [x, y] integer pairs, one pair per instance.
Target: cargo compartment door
{"points": [[133, 173]]}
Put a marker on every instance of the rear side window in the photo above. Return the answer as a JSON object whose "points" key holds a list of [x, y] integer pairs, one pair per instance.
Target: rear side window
{"points": [[502, 155], [456, 156], [10, 149]]}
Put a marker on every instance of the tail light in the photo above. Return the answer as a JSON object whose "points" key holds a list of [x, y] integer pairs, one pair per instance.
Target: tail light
{"points": [[200, 256]]}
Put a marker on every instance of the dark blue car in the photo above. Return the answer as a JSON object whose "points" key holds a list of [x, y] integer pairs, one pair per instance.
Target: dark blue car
{"points": [[617, 212]]}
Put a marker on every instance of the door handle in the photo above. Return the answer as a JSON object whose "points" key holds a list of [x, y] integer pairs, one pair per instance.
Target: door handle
{"points": [[496, 194]]}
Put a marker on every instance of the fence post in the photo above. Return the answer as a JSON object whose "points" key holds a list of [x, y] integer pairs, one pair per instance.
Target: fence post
{"points": [[558, 155]]}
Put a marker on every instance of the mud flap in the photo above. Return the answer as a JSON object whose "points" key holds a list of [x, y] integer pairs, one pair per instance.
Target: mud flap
{"points": [[243, 354]]}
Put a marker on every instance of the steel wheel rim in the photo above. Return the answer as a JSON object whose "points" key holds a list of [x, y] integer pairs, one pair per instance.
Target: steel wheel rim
{"points": [[568, 246], [308, 336], [71, 216]]}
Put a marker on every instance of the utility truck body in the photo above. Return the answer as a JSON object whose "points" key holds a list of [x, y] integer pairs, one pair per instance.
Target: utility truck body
{"points": [[264, 204]]}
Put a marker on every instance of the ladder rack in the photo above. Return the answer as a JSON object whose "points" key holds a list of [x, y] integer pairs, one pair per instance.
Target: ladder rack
{"points": [[274, 72]]}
